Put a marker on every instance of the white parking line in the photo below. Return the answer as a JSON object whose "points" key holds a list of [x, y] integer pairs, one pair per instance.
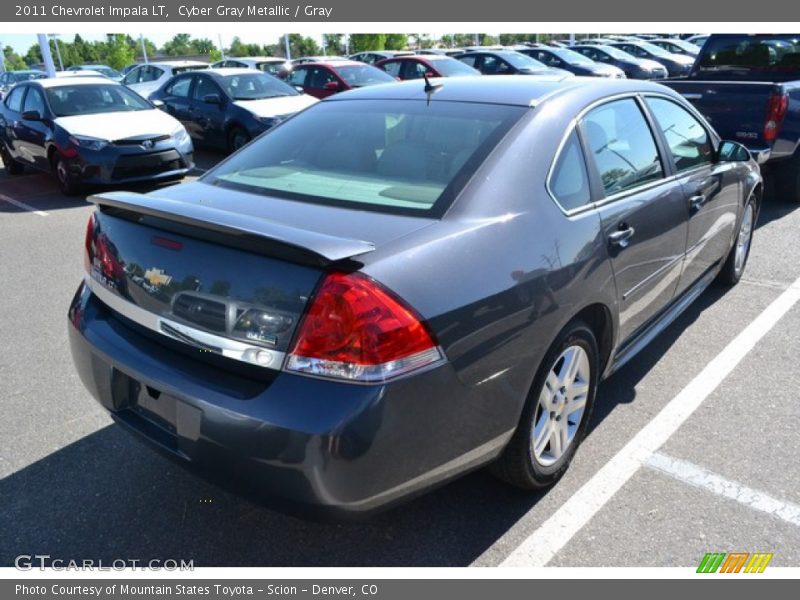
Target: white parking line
{"points": [[543, 544], [22, 205], [697, 476]]}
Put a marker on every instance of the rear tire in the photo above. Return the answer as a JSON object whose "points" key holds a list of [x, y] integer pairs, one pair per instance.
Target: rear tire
{"points": [[556, 413], [67, 182], [12, 166], [735, 263], [237, 137]]}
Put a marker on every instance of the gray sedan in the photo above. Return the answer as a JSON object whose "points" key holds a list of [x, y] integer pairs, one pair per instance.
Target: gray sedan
{"points": [[406, 282]]}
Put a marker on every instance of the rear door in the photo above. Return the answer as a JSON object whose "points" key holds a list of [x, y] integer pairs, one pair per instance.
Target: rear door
{"points": [[712, 189], [177, 103], [318, 79], [643, 211], [13, 102], [298, 78]]}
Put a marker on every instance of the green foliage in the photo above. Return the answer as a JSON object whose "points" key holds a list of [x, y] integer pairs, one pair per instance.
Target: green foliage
{"points": [[396, 41], [362, 42], [119, 53], [299, 45], [214, 55], [12, 60]]}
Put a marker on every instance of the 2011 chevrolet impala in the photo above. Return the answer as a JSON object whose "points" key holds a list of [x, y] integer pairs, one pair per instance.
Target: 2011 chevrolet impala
{"points": [[406, 282]]}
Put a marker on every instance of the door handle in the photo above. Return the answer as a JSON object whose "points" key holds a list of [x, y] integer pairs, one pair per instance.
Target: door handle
{"points": [[621, 238], [696, 202]]}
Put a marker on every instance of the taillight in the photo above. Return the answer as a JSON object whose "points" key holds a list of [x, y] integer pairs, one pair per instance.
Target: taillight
{"points": [[358, 331], [776, 110], [88, 253]]}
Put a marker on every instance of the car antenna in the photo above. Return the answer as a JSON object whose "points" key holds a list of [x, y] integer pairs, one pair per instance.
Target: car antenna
{"points": [[430, 88]]}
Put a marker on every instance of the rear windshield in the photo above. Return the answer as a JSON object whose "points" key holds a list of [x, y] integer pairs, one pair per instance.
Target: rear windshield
{"points": [[406, 157], [772, 58], [183, 69]]}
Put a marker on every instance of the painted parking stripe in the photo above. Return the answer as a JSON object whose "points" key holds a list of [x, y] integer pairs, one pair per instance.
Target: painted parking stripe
{"points": [[22, 205], [699, 477], [544, 543]]}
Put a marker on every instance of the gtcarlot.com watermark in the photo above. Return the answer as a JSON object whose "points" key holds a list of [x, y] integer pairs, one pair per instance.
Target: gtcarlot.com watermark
{"points": [[29, 562]]}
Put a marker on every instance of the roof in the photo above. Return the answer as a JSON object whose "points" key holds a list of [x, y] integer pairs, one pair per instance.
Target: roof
{"points": [[256, 59], [228, 71], [175, 63], [334, 64], [520, 90], [52, 82]]}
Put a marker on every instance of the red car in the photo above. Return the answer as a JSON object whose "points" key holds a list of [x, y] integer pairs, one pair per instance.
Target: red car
{"points": [[415, 67], [322, 79]]}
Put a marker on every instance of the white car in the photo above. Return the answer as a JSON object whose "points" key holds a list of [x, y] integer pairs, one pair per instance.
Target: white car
{"points": [[147, 78], [274, 65]]}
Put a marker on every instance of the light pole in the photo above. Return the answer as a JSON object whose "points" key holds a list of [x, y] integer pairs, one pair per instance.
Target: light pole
{"points": [[286, 42], [54, 37], [144, 48], [44, 46]]}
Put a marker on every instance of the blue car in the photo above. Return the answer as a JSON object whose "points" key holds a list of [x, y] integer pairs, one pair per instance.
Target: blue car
{"points": [[90, 130], [226, 108], [569, 60]]}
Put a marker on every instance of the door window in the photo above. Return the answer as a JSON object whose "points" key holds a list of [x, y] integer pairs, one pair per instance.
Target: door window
{"points": [[688, 140], [392, 68], [34, 101], [298, 77], [14, 99], [179, 87], [622, 146], [203, 87]]}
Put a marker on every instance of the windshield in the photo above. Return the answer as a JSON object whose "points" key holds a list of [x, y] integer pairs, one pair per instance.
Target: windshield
{"points": [[255, 86], [689, 47], [653, 49], [361, 75], [616, 53], [571, 57], [385, 155], [521, 61], [108, 72], [771, 57], [27, 75], [450, 67], [89, 99]]}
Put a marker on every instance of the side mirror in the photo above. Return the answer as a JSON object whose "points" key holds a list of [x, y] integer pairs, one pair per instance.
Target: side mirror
{"points": [[157, 103], [299, 88], [212, 99], [31, 115], [732, 152], [331, 86]]}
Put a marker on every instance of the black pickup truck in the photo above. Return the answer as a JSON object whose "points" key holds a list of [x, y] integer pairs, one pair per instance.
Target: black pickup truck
{"points": [[748, 87]]}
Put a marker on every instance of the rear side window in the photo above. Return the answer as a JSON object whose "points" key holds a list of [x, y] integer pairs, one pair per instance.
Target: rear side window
{"points": [[622, 146], [14, 99], [180, 87], [389, 156], [569, 182], [688, 140]]}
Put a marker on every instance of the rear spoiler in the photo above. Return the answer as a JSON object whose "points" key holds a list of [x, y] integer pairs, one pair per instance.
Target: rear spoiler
{"points": [[233, 229]]}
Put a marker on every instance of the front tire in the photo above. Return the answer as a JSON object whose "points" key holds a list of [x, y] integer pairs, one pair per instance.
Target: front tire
{"points": [[67, 182], [556, 413], [237, 137], [735, 263]]}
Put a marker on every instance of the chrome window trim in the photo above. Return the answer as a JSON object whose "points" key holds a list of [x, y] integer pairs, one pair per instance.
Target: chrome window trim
{"points": [[202, 340], [638, 97]]}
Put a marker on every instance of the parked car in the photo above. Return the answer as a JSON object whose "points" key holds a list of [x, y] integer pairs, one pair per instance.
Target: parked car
{"points": [[304, 60], [323, 79], [432, 65], [677, 46], [676, 64], [274, 65], [375, 56], [698, 40], [226, 108], [146, 79], [748, 86], [508, 62], [104, 70], [441, 51], [634, 68], [392, 273], [90, 130], [9, 78], [569, 60]]}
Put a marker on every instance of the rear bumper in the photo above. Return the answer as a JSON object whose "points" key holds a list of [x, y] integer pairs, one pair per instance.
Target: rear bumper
{"points": [[303, 445]]}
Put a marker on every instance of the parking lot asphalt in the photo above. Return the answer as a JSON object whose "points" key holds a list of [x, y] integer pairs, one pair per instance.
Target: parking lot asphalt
{"points": [[75, 486]]}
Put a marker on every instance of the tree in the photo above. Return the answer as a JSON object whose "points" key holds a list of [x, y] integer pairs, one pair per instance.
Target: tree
{"points": [[119, 53], [299, 46], [203, 46], [363, 42], [180, 45], [214, 55], [12, 60], [396, 41]]}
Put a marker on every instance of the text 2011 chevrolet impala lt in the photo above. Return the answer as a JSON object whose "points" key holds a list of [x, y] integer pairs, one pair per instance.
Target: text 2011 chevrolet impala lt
{"points": [[406, 282]]}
